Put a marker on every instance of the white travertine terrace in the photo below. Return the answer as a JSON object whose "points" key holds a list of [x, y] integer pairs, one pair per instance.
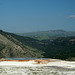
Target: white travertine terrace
{"points": [[39, 62]]}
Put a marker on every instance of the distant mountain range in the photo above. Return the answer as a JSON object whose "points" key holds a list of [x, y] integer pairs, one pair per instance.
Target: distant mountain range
{"points": [[52, 34], [59, 44]]}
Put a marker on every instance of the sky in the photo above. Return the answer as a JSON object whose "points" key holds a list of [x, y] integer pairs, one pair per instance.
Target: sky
{"points": [[37, 15]]}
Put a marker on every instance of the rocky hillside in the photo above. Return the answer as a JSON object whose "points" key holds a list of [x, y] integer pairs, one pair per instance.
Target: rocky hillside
{"points": [[15, 46]]}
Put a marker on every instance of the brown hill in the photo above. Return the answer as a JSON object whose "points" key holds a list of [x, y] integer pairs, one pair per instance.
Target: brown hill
{"points": [[10, 46]]}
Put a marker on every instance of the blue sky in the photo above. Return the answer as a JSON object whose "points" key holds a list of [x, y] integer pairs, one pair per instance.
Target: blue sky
{"points": [[37, 15]]}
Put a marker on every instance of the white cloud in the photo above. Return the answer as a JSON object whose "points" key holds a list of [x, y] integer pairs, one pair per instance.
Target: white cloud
{"points": [[72, 16]]}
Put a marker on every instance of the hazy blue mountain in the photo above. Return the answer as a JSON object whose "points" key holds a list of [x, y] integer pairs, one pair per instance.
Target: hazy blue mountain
{"points": [[52, 34]]}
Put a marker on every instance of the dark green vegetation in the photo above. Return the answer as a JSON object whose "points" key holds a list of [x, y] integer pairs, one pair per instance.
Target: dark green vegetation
{"points": [[52, 34], [62, 47]]}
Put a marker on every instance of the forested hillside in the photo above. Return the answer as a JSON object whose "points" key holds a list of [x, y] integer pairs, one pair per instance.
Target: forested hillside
{"points": [[61, 48], [12, 45]]}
